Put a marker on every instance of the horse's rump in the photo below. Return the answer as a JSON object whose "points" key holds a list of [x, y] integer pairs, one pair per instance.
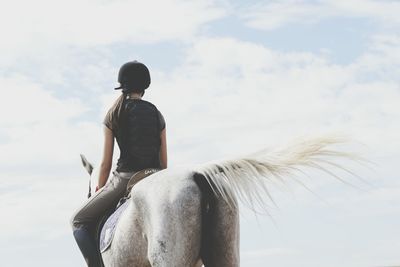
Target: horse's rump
{"points": [[161, 224]]}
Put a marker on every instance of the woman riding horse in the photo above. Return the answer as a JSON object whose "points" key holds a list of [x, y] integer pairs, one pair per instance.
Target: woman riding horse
{"points": [[139, 129]]}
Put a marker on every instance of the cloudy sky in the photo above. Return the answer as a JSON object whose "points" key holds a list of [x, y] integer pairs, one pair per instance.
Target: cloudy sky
{"points": [[230, 77]]}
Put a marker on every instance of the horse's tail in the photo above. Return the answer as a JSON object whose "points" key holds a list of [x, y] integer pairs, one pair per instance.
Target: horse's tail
{"points": [[247, 177]]}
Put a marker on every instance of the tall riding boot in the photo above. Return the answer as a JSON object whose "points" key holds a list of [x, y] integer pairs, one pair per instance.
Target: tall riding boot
{"points": [[87, 246]]}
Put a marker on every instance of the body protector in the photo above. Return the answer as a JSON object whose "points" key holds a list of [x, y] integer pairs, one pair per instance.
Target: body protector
{"points": [[140, 136]]}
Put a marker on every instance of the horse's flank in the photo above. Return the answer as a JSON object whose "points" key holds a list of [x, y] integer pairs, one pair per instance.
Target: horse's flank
{"points": [[163, 225]]}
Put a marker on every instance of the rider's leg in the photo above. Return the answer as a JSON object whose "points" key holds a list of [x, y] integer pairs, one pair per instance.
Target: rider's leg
{"points": [[91, 211], [86, 242]]}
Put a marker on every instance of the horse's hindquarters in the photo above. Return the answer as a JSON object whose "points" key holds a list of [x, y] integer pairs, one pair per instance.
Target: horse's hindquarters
{"points": [[161, 226], [164, 226], [174, 234]]}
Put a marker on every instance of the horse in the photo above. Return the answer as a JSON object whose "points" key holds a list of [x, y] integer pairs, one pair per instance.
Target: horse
{"points": [[188, 215]]}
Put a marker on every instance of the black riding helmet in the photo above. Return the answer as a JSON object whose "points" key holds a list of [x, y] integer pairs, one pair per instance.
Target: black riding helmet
{"points": [[133, 76]]}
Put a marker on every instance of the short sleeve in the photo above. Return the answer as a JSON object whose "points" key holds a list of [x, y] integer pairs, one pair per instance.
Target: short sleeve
{"points": [[162, 121], [108, 121]]}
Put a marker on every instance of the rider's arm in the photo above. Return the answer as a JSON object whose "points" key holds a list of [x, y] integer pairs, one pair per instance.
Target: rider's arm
{"points": [[106, 163], [163, 150]]}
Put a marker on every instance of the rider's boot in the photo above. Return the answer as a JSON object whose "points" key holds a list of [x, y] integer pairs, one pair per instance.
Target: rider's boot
{"points": [[87, 246]]}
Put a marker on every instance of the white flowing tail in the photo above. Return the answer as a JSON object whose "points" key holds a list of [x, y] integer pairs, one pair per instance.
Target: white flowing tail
{"points": [[247, 177]]}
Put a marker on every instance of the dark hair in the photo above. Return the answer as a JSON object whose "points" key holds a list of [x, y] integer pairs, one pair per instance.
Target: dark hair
{"points": [[133, 90], [114, 113]]}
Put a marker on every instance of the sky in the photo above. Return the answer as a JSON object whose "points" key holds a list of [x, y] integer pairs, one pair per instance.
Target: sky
{"points": [[230, 77]]}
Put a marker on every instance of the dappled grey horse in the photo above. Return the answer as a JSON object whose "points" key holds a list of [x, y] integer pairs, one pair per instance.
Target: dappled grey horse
{"points": [[188, 216]]}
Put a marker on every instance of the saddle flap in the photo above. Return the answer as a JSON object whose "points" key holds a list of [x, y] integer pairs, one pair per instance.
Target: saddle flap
{"points": [[108, 230]]}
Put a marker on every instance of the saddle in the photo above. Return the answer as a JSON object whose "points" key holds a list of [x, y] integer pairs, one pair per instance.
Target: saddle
{"points": [[136, 177], [104, 231]]}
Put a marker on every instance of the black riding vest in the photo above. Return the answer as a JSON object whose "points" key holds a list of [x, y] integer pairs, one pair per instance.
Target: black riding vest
{"points": [[139, 136]]}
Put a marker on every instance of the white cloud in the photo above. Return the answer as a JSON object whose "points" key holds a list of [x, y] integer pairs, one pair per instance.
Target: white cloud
{"points": [[39, 205], [39, 128], [46, 25], [266, 256], [269, 97], [268, 252], [274, 14], [24, 102], [383, 59], [278, 13], [73, 45]]}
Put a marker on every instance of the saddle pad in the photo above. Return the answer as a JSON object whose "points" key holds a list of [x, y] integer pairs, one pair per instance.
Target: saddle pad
{"points": [[108, 230]]}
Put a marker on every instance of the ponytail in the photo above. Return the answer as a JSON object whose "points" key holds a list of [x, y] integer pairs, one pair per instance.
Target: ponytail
{"points": [[113, 116]]}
